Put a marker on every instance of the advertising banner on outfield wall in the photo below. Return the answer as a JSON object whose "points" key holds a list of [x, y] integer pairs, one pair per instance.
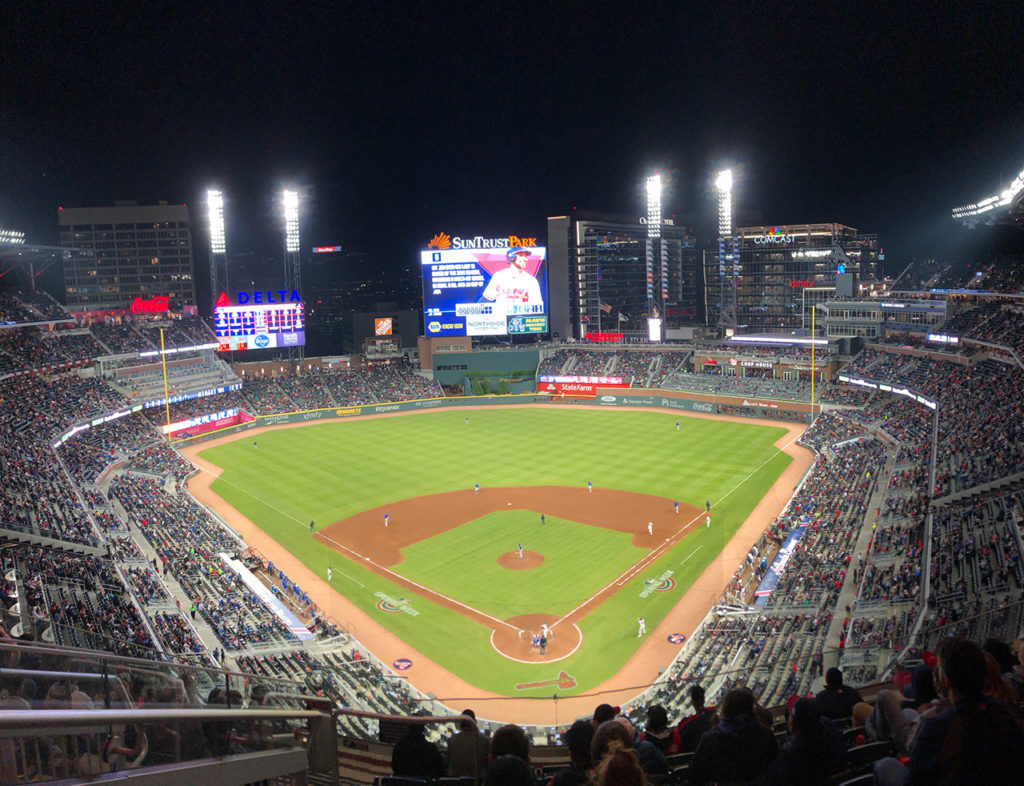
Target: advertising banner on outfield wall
{"points": [[567, 389]]}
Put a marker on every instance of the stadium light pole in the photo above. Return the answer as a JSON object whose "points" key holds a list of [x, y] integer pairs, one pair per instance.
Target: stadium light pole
{"points": [[292, 257], [723, 183], [655, 258], [218, 243]]}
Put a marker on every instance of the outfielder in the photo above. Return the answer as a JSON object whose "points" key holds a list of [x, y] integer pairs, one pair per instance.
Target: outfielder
{"points": [[328, 574], [641, 627]]}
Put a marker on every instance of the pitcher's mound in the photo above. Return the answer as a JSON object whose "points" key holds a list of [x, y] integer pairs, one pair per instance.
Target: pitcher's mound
{"points": [[510, 560]]}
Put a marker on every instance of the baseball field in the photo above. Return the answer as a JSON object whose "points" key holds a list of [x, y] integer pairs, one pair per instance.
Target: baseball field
{"points": [[446, 574]]}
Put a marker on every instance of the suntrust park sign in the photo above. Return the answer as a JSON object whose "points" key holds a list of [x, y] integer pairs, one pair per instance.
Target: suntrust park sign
{"points": [[443, 240]]}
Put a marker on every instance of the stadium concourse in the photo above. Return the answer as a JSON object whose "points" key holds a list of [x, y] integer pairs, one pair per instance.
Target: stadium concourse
{"points": [[905, 532]]}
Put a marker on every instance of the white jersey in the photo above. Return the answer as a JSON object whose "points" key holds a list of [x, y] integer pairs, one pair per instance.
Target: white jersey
{"points": [[512, 285]]}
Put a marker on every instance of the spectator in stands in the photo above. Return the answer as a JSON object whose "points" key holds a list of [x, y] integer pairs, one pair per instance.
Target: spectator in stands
{"points": [[415, 757], [11, 698], [739, 748], [693, 726], [580, 769], [510, 740], [896, 717], [813, 753], [976, 740], [509, 770], [609, 737], [658, 733], [837, 700], [620, 768], [604, 712], [467, 750]]}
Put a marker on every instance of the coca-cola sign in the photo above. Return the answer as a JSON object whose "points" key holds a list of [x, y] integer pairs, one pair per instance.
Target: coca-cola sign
{"points": [[156, 305]]}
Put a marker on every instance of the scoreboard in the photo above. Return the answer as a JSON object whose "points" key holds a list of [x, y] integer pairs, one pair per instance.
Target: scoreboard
{"points": [[259, 326]]}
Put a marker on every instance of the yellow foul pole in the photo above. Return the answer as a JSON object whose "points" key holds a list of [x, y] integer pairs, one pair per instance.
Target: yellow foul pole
{"points": [[813, 309], [163, 363]]}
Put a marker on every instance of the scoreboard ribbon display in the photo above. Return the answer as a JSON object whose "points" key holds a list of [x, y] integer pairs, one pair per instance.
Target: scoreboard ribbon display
{"points": [[259, 326]]}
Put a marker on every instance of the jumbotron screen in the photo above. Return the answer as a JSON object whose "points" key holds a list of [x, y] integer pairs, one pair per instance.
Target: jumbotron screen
{"points": [[484, 292], [259, 326]]}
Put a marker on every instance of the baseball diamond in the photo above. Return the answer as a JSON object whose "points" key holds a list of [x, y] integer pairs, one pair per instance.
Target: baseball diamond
{"points": [[470, 606]]}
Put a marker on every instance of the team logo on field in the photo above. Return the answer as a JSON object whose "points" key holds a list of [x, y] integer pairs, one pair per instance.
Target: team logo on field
{"points": [[662, 583], [563, 681], [391, 605], [401, 664], [676, 638]]}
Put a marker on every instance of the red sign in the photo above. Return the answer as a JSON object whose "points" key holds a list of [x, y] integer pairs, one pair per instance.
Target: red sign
{"points": [[603, 337], [157, 305], [797, 284], [567, 389]]}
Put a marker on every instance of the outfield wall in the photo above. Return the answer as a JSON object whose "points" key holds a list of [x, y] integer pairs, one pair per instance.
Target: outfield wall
{"points": [[787, 411]]}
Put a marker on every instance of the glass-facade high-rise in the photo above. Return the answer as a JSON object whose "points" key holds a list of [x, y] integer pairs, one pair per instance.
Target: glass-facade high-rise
{"points": [[130, 251], [600, 266], [781, 271]]}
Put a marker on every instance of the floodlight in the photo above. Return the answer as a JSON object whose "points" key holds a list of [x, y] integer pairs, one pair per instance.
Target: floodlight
{"points": [[291, 221], [215, 203], [654, 206], [724, 185], [12, 237], [1001, 199]]}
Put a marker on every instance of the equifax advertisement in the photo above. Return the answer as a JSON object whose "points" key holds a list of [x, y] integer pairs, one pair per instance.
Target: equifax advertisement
{"points": [[484, 292]]}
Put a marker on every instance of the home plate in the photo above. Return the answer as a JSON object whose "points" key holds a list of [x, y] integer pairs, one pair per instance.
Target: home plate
{"points": [[510, 504]]}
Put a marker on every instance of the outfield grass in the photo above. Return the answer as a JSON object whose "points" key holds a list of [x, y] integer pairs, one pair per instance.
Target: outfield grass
{"points": [[331, 470], [462, 563]]}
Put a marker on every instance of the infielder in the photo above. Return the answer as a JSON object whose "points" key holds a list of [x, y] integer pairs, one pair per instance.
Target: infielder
{"points": [[590, 487], [476, 488], [650, 527], [385, 520], [675, 505], [707, 521], [641, 627]]}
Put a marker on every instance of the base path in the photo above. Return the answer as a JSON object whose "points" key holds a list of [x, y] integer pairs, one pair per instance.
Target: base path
{"points": [[640, 670], [364, 539]]}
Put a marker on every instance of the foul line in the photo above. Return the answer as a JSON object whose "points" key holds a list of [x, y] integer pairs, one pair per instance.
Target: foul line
{"points": [[656, 553], [694, 552], [425, 590]]}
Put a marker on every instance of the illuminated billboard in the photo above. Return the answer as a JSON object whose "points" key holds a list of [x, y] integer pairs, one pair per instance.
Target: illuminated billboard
{"points": [[259, 321], [485, 292]]}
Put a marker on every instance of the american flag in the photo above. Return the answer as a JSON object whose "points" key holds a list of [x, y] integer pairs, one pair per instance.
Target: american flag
{"points": [[606, 308]]}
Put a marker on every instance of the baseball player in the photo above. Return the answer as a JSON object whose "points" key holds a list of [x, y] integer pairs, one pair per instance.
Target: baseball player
{"points": [[542, 519], [255, 446], [677, 425], [641, 625], [385, 520], [476, 488], [467, 420], [707, 521], [311, 525], [590, 487], [514, 284], [520, 551], [544, 629], [675, 505], [650, 527], [707, 505], [328, 574]]}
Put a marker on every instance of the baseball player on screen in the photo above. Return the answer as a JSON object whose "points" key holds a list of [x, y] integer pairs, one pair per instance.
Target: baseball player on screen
{"points": [[514, 284]]}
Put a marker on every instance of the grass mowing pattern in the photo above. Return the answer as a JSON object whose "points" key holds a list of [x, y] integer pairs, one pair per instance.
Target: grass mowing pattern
{"points": [[462, 563], [331, 470]]}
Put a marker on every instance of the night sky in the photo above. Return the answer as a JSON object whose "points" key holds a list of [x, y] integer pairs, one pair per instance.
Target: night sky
{"points": [[399, 120]]}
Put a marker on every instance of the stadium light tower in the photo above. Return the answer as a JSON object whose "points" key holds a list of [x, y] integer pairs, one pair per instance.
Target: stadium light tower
{"points": [[292, 257], [655, 259], [218, 244], [726, 247]]}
